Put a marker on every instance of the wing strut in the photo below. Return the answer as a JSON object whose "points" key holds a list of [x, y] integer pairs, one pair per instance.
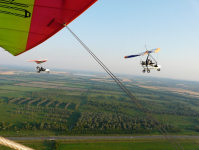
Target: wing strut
{"points": [[139, 105]]}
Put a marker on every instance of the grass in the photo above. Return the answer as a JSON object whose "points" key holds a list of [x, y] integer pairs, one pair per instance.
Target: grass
{"points": [[9, 93], [28, 133], [76, 86], [6, 81], [17, 119], [127, 144], [179, 121], [19, 88], [136, 144]]}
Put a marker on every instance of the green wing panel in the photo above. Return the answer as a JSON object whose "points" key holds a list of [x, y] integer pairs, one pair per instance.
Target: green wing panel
{"points": [[14, 29]]}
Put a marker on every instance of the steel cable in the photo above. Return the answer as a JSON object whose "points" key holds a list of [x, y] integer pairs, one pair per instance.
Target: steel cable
{"points": [[138, 104], [13, 145]]}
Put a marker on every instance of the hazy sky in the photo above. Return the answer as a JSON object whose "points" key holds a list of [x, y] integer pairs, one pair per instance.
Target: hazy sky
{"points": [[115, 28]]}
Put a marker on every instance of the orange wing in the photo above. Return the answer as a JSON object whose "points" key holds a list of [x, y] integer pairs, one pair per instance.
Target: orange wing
{"points": [[38, 61]]}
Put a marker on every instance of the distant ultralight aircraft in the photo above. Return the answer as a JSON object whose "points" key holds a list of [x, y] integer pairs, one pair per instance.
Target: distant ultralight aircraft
{"points": [[40, 68], [148, 64]]}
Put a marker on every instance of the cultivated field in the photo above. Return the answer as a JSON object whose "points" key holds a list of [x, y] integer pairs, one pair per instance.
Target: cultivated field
{"points": [[137, 144]]}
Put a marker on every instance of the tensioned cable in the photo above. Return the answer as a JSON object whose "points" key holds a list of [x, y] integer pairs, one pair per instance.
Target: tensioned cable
{"points": [[138, 104], [13, 145]]}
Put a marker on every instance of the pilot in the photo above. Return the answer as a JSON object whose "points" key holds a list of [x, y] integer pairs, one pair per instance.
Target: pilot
{"points": [[143, 63], [150, 62], [42, 69]]}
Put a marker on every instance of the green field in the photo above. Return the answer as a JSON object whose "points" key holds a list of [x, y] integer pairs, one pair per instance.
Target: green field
{"points": [[144, 144], [19, 88], [137, 144]]}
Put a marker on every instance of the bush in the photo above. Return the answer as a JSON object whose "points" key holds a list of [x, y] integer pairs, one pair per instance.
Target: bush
{"points": [[174, 130], [56, 145], [196, 128]]}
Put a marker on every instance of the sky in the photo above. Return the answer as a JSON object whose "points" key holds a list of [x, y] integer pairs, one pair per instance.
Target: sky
{"points": [[113, 29]]}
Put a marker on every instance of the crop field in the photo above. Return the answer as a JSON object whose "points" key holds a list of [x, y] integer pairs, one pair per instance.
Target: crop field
{"points": [[67, 104], [144, 144], [19, 88], [138, 144]]}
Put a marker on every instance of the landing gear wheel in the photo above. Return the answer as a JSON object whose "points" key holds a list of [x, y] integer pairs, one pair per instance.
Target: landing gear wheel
{"points": [[148, 70], [158, 69], [144, 71], [38, 71]]}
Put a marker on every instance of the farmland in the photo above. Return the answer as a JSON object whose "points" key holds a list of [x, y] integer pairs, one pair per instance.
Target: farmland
{"points": [[127, 144], [67, 104]]}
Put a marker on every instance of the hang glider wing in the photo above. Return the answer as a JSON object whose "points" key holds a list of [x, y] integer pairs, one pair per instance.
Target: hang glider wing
{"points": [[156, 50], [141, 54], [25, 24], [38, 61]]}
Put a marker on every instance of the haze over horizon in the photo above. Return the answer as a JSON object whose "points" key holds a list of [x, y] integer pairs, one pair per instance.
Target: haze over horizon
{"points": [[114, 30]]}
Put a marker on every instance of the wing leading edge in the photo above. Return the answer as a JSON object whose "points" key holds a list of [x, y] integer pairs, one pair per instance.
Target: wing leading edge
{"points": [[156, 50]]}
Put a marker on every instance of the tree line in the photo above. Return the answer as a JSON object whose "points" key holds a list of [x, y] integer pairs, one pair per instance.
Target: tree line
{"points": [[39, 126], [93, 121]]}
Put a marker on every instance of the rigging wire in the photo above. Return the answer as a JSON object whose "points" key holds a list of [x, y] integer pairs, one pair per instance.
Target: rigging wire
{"points": [[13, 144], [138, 104]]}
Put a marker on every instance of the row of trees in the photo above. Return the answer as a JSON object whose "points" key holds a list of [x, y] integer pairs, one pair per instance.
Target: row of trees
{"points": [[110, 106], [51, 112], [12, 100], [49, 103], [47, 117], [192, 113], [23, 112], [77, 105], [59, 103], [40, 102], [54, 126], [32, 109], [57, 116], [32, 101], [58, 111], [24, 100], [105, 132], [176, 109], [68, 104], [106, 88], [107, 121], [55, 120]]}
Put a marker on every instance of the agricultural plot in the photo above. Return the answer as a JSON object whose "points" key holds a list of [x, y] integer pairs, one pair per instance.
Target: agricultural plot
{"points": [[51, 86], [143, 144], [19, 88], [2, 81], [127, 144]]}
